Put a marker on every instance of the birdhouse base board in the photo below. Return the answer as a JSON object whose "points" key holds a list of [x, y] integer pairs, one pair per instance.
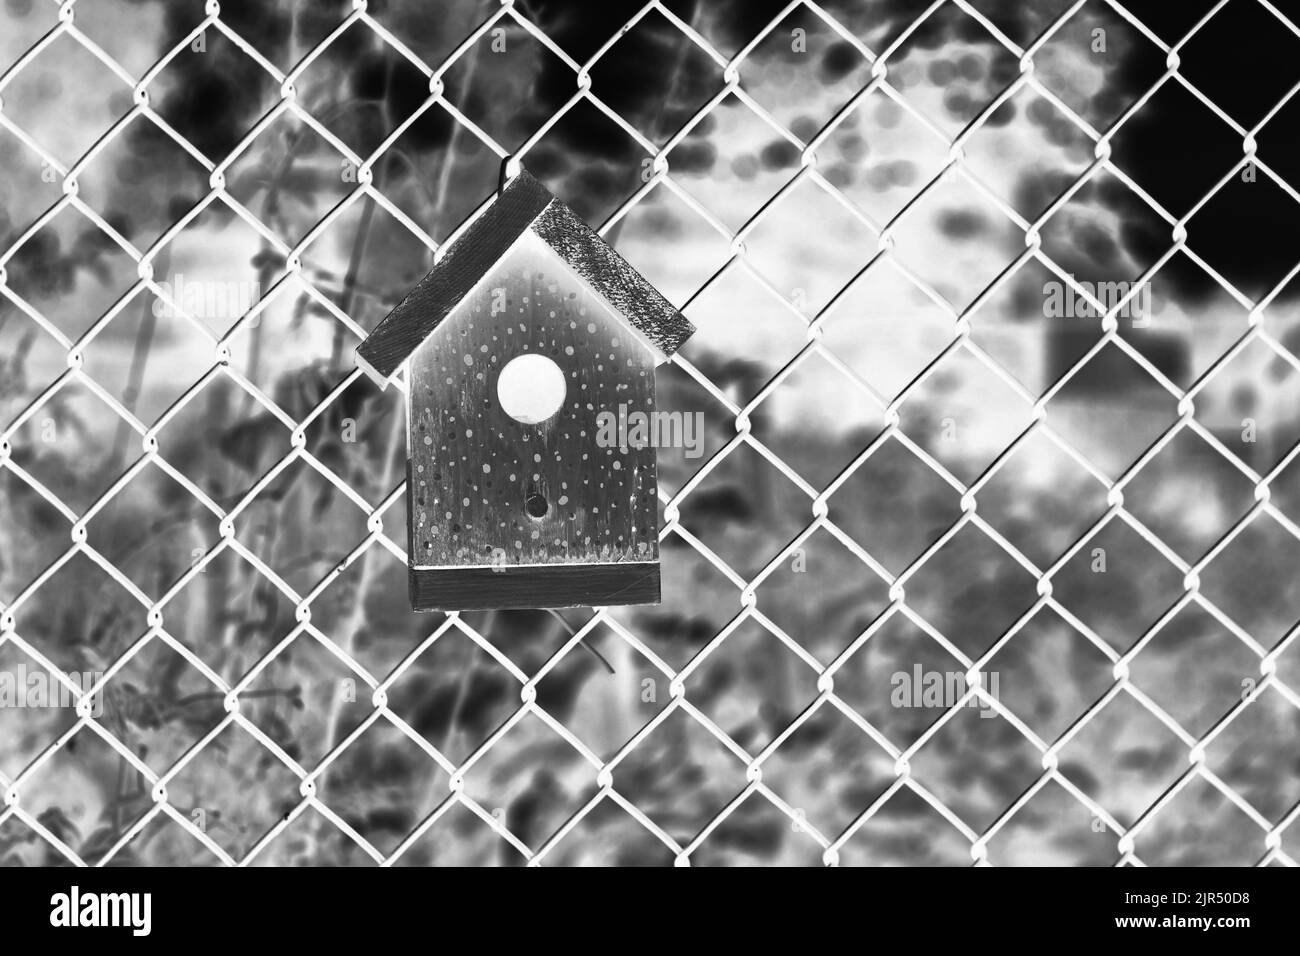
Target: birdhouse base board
{"points": [[536, 586]]}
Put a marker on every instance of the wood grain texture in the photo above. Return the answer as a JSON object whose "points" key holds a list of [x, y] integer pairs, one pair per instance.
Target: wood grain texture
{"points": [[590, 585], [471, 256], [639, 303]]}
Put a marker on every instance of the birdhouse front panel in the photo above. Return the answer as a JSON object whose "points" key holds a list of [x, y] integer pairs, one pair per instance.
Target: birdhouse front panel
{"points": [[508, 475], [529, 353]]}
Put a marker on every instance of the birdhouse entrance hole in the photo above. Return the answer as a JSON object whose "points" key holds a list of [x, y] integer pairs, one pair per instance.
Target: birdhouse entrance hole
{"points": [[531, 389]]}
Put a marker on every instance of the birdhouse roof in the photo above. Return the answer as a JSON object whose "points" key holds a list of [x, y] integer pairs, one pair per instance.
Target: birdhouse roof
{"points": [[523, 206]]}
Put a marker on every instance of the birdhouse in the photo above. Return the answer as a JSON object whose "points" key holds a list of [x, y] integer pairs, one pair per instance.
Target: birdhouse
{"points": [[529, 337]]}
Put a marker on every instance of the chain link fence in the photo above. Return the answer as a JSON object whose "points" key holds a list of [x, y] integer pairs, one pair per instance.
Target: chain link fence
{"points": [[335, 601]]}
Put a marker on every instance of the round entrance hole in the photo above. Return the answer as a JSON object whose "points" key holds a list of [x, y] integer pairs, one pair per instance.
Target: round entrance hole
{"points": [[536, 505], [531, 389]]}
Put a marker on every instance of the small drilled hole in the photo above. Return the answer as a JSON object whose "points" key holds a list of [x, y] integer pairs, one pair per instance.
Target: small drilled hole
{"points": [[536, 506]]}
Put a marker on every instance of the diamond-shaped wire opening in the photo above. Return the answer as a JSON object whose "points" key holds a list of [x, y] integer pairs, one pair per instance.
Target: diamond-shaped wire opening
{"points": [[680, 753], [720, 511], [302, 525], [655, 77], [956, 241], [698, 601], [290, 177], [817, 419], [370, 785], [977, 763], [603, 691], [212, 96], [234, 790], [1111, 410], [65, 99], [166, 356], [532, 780], [1123, 758], [159, 706], [1039, 480], [1194, 669], [895, 679], [229, 615], [1099, 64], [142, 182], [508, 65], [153, 531], [1243, 38], [964, 414], [971, 590], [381, 261], [894, 505], [824, 262], [437, 187], [1048, 674], [752, 686], [86, 795], [1189, 494], [733, 161], [804, 68], [455, 696], [205, 270], [962, 79], [1175, 148], [880, 155], [1028, 178], [72, 446], [222, 441], [801, 770], [307, 700], [70, 272], [822, 595], [1118, 584], [361, 89], [886, 329]]}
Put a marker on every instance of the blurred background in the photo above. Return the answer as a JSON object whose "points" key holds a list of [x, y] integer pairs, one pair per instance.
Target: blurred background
{"points": [[1188, 592]]}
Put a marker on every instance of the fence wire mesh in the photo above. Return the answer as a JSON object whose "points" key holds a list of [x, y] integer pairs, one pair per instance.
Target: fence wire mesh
{"points": [[341, 585]]}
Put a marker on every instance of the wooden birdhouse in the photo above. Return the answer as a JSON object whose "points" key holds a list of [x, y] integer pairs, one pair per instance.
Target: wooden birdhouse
{"points": [[529, 333]]}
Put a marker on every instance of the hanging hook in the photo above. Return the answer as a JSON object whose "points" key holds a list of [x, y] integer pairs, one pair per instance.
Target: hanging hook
{"points": [[510, 168]]}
